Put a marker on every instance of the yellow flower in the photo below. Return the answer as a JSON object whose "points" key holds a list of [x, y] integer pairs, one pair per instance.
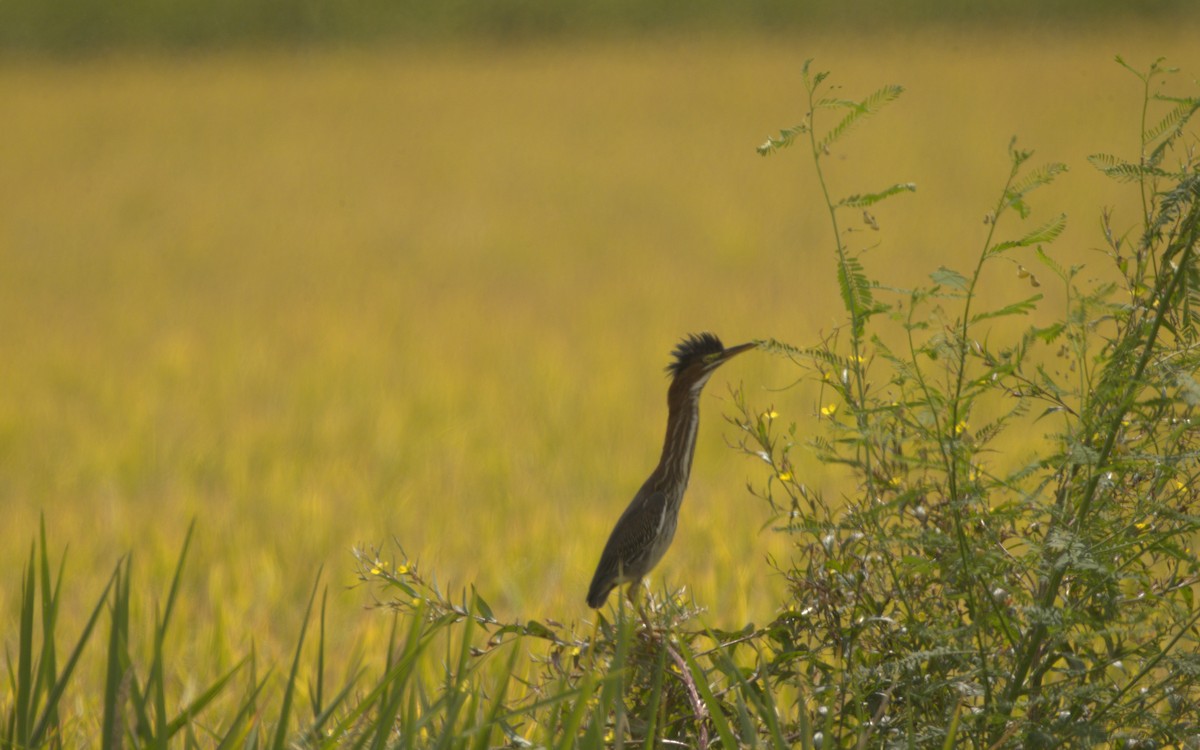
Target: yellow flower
{"points": [[961, 427], [770, 414], [375, 571], [829, 409], [785, 476], [401, 570]]}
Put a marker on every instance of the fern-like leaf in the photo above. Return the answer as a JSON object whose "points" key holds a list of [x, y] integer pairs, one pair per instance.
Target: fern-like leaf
{"points": [[1175, 120], [1170, 127], [867, 199], [858, 112], [1116, 168], [856, 291], [786, 138], [1044, 234], [1024, 307], [950, 278], [1054, 265], [775, 346], [1044, 175]]}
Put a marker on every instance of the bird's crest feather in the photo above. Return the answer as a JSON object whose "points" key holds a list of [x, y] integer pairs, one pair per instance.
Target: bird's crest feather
{"points": [[693, 349]]}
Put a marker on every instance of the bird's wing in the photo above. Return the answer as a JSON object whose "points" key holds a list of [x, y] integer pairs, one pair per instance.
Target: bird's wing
{"points": [[636, 527], [629, 540]]}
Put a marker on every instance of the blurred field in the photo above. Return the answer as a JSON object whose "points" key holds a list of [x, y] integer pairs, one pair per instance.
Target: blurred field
{"points": [[323, 300]]}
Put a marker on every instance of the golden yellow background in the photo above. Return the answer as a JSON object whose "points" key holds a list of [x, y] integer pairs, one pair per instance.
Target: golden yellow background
{"points": [[319, 300]]}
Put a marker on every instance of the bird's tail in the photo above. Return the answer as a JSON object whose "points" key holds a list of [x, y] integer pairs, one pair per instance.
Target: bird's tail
{"points": [[599, 590]]}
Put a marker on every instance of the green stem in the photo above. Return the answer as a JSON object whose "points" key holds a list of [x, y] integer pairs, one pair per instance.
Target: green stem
{"points": [[857, 360]]}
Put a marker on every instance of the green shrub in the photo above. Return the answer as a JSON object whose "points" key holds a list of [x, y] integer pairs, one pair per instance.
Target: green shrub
{"points": [[957, 594]]}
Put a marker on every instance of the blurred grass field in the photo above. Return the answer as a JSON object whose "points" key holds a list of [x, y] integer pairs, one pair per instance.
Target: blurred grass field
{"points": [[324, 300]]}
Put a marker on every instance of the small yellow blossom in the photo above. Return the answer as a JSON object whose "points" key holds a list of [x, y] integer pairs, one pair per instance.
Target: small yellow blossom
{"points": [[575, 651], [771, 414], [961, 427], [894, 482], [401, 570], [785, 476], [1180, 485], [375, 571], [829, 409]]}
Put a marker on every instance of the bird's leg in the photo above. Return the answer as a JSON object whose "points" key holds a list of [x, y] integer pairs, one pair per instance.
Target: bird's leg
{"points": [[593, 642], [633, 591]]}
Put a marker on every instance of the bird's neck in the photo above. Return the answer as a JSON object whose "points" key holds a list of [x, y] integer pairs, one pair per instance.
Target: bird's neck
{"points": [[683, 421]]}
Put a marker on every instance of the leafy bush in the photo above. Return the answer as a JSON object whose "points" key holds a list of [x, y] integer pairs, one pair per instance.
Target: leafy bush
{"points": [[954, 593]]}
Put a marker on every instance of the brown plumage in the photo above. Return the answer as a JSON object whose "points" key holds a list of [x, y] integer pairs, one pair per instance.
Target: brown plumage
{"points": [[645, 530]]}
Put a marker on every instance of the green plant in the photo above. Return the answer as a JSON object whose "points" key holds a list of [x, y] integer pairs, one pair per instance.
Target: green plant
{"points": [[959, 594]]}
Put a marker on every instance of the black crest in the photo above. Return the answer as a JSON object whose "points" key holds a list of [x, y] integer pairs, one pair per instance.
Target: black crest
{"points": [[693, 349]]}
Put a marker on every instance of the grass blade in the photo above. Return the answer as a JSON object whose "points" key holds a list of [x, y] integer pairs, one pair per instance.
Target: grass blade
{"points": [[47, 673], [23, 707], [115, 672], [235, 733], [652, 707], [280, 741], [201, 701]]}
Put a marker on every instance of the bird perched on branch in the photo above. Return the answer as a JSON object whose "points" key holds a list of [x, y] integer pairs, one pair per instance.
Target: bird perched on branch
{"points": [[645, 530]]}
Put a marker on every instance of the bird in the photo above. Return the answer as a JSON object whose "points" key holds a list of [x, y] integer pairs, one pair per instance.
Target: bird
{"points": [[646, 528]]}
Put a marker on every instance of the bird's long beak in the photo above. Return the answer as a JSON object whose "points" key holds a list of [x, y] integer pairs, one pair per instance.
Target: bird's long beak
{"points": [[733, 351]]}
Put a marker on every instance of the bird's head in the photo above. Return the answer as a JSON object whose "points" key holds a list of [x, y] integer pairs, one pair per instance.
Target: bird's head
{"points": [[698, 355]]}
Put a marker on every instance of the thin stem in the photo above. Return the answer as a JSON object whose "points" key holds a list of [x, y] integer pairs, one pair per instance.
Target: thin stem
{"points": [[857, 361]]}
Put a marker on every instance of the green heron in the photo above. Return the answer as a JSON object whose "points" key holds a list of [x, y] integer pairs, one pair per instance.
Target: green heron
{"points": [[645, 530]]}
